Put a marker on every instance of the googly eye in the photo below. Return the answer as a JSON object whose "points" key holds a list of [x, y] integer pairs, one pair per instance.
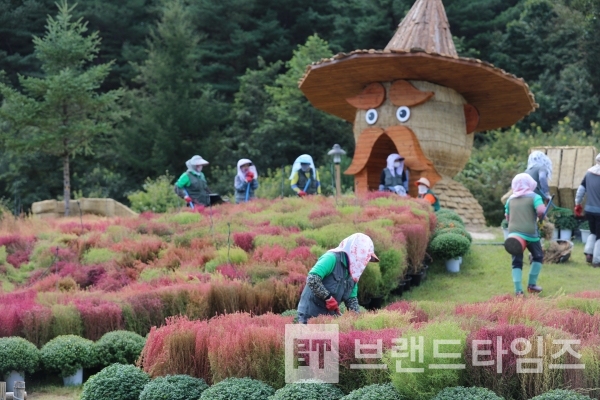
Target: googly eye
{"points": [[371, 116], [403, 114]]}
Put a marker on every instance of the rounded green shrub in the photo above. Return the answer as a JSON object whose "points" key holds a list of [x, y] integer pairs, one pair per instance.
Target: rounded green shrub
{"points": [[66, 354], [561, 394], [445, 213], [238, 389], [308, 390], [375, 392], [18, 354], [467, 393], [116, 382], [175, 387], [449, 245], [444, 222], [123, 347], [457, 230]]}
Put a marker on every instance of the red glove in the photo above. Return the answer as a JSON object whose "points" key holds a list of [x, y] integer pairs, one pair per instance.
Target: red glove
{"points": [[187, 199], [302, 193], [578, 210], [332, 304], [249, 176]]}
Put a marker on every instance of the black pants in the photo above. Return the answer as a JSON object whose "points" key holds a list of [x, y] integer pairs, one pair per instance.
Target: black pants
{"points": [[594, 221], [535, 248]]}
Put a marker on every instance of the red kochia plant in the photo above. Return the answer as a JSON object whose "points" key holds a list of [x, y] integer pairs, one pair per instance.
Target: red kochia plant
{"points": [[18, 248], [507, 383], [12, 307], [144, 251], [244, 240], [229, 271], [404, 307], [99, 317], [303, 255], [347, 345], [585, 326], [18, 258], [272, 254], [37, 326], [416, 244]]}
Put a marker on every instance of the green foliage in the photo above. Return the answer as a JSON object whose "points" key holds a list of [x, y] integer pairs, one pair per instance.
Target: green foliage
{"points": [[392, 264], [560, 394], [66, 320], [176, 387], [458, 231], [374, 392], [443, 223], [185, 218], [157, 195], [237, 389], [444, 213], [98, 256], [424, 385], [308, 390], [66, 354], [370, 283], [18, 354], [449, 245], [466, 393], [118, 382], [234, 255], [585, 225], [121, 347], [61, 114], [3, 254]]}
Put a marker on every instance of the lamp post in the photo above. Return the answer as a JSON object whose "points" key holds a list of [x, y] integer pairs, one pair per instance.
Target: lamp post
{"points": [[337, 153]]}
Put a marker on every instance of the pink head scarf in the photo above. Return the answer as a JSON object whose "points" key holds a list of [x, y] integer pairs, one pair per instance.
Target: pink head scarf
{"points": [[359, 249], [522, 184]]}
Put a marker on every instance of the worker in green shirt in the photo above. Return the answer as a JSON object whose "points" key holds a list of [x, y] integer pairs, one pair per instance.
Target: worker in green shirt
{"points": [[334, 278], [522, 211], [191, 185]]}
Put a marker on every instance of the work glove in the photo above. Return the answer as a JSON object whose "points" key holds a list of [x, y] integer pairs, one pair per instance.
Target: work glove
{"points": [[302, 193], [187, 199], [249, 176], [578, 210], [332, 304]]}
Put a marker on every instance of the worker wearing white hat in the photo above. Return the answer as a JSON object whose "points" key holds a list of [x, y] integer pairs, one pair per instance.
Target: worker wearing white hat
{"points": [[426, 193], [191, 185]]}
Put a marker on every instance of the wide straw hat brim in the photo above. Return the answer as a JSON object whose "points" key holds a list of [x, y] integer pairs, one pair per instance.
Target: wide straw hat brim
{"points": [[501, 98]]}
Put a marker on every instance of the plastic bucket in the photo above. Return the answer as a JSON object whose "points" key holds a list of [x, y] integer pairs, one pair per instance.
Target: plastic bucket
{"points": [[584, 235], [74, 380], [14, 376], [453, 265]]}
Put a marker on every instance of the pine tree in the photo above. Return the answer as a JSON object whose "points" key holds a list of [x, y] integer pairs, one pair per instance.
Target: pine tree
{"points": [[61, 113]]}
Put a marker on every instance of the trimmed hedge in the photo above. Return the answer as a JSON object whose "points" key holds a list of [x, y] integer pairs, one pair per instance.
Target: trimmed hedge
{"points": [[560, 394], [117, 382], [18, 354], [174, 387], [237, 389], [375, 392], [68, 353], [467, 393], [309, 390], [123, 347]]}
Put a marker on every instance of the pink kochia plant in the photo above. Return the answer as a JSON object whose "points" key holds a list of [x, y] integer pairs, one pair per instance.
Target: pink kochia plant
{"points": [[244, 240], [348, 345], [12, 307], [271, 254], [404, 307], [99, 317]]}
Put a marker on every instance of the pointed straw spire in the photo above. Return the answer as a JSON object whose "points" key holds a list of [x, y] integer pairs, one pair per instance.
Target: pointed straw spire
{"points": [[425, 27]]}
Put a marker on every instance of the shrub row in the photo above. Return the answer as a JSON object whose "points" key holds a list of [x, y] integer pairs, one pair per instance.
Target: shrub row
{"points": [[64, 355]]}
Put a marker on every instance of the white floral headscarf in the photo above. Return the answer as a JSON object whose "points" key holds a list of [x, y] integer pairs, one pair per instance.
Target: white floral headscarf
{"points": [[392, 158], [359, 248], [539, 159], [303, 159], [252, 168]]}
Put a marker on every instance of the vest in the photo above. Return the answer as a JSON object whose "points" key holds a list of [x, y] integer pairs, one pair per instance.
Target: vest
{"points": [[436, 205], [592, 189], [522, 216], [302, 179], [391, 180], [339, 283], [534, 172], [198, 190]]}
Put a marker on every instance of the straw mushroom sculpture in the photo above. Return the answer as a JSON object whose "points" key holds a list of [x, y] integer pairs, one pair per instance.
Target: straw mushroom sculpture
{"points": [[418, 98]]}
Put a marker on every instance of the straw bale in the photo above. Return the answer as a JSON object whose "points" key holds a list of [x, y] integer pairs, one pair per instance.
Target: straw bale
{"points": [[456, 197], [104, 207]]}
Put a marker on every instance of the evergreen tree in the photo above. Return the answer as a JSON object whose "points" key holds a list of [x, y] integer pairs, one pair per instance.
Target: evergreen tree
{"points": [[61, 113], [175, 115]]}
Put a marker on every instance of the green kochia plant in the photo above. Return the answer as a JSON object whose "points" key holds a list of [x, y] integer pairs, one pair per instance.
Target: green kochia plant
{"points": [[68, 353], [18, 354], [62, 113], [176, 387], [449, 245]]}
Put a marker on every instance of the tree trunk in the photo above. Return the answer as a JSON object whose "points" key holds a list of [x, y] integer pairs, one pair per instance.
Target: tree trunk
{"points": [[66, 185]]}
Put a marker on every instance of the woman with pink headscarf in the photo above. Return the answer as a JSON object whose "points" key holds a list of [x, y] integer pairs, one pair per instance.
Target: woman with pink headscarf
{"points": [[334, 278], [522, 210]]}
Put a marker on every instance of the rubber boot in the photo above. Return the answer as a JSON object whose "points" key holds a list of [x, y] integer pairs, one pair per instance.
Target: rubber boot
{"points": [[517, 275], [596, 259], [588, 250], [532, 286]]}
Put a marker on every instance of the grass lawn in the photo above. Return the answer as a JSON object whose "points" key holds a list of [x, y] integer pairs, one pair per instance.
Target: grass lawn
{"points": [[53, 393], [486, 272]]}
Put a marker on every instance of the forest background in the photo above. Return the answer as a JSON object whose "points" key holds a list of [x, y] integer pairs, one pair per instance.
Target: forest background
{"points": [[219, 79]]}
